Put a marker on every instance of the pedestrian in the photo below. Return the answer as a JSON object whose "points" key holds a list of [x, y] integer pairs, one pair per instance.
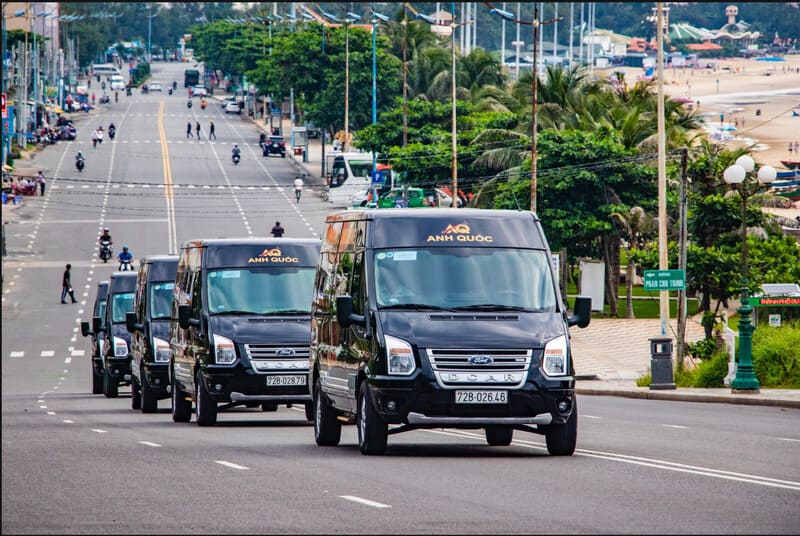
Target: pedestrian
{"points": [[797, 147], [92, 99], [211, 130], [66, 286], [277, 230], [189, 130], [197, 129], [41, 182], [790, 147]]}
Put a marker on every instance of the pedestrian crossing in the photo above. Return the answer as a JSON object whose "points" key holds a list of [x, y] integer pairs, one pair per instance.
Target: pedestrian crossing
{"points": [[190, 141], [161, 187], [70, 353]]}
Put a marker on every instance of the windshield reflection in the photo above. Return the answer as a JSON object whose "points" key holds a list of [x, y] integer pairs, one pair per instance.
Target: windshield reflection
{"points": [[261, 290]]}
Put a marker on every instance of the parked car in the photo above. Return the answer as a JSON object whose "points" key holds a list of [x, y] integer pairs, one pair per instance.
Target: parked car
{"points": [[99, 312], [226, 100], [233, 107], [274, 145], [313, 130], [403, 197], [155, 86], [199, 91]]}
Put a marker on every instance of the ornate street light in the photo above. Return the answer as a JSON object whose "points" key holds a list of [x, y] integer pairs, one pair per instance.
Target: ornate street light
{"points": [[745, 380]]}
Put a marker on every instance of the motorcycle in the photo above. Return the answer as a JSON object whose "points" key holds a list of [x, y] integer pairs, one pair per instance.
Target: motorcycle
{"points": [[169, 91], [111, 133], [203, 104], [236, 157], [125, 266], [80, 164], [189, 104], [105, 250]]}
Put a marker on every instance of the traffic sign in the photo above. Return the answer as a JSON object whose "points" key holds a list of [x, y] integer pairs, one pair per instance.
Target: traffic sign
{"points": [[5, 110], [377, 177], [664, 280]]}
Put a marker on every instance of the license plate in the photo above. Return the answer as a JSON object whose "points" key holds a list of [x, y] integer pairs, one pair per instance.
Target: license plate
{"points": [[287, 380], [481, 397]]}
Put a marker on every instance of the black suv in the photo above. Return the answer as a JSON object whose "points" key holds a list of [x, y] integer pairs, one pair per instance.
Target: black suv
{"points": [[99, 312], [274, 145]]}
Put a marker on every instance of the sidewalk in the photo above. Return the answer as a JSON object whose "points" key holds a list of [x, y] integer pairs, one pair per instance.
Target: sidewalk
{"points": [[610, 354]]}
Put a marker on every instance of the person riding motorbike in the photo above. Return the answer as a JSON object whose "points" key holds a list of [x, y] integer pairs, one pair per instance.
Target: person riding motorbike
{"points": [[112, 130], [298, 188], [105, 245], [116, 96], [79, 161], [125, 259], [203, 103], [174, 85], [236, 153], [189, 104]]}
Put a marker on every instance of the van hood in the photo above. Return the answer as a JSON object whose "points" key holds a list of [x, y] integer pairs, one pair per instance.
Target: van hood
{"points": [[119, 330], [504, 329], [259, 329]]}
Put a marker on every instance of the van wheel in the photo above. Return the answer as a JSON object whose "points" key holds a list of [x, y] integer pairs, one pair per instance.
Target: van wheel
{"points": [[561, 438], [269, 406], [136, 395], [372, 430], [310, 411], [499, 436], [205, 407], [327, 428], [110, 387], [181, 408], [149, 400], [97, 382]]}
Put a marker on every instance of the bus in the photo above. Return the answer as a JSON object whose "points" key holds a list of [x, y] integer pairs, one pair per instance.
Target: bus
{"points": [[191, 77]]}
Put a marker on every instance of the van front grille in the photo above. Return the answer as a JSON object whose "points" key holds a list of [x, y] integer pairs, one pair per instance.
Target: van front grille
{"points": [[266, 358], [484, 368]]}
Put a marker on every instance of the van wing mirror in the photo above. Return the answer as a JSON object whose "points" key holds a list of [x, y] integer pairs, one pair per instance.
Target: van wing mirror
{"points": [[185, 317], [583, 312], [85, 331], [97, 324], [344, 312], [130, 322]]}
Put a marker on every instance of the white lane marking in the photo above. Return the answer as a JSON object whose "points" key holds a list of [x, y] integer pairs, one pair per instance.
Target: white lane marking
{"points": [[42, 407], [40, 401], [787, 439], [78, 353], [68, 360], [99, 430], [679, 427], [16, 354], [364, 501], [48, 353], [51, 412], [67, 421], [149, 444], [231, 465], [591, 417]]}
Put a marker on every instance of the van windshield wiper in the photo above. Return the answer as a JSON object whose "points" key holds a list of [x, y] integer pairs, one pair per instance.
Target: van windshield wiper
{"points": [[288, 312], [490, 307], [236, 312], [414, 306]]}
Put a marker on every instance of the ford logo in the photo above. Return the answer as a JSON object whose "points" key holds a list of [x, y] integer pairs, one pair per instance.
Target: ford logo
{"points": [[284, 352], [481, 360]]}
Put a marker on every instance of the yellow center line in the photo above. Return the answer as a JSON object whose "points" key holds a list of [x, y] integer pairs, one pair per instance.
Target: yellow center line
{"points": [[168, 191]]}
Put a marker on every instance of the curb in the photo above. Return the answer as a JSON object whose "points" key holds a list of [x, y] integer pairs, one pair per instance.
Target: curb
{"points": [[721, 398]]}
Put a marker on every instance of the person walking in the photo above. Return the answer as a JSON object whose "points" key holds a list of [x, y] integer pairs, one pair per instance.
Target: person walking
{"points": [[211, 127], [797, 147], [66, 285], [41, 181], [277, 230], [189, 130], [197, 129]]}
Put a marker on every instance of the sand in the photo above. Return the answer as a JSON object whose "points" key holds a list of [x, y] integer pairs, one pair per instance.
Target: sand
{"points": [[736, 89]]}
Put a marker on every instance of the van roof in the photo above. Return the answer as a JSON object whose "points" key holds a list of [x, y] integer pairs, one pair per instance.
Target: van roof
{"points": [[122, 282], [162, 267], [438, 213], [244, 252], [209, 242]]}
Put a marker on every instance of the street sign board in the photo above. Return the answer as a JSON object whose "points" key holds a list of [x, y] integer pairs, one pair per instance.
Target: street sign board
{"points": [[664, 280], [5, 110], [377, 177], [774, 301]]}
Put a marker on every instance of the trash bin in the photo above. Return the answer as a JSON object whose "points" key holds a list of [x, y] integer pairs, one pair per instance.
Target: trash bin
{"points": [[661, 374], [298, 151]]}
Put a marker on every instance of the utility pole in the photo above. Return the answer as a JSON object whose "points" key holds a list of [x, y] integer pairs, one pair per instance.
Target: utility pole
{"points": [[663, 260], [682, 259]]}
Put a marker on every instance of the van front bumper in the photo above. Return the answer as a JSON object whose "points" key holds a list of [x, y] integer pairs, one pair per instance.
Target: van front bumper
{"points": [[237, 384], [118, 369], [157, 377]]}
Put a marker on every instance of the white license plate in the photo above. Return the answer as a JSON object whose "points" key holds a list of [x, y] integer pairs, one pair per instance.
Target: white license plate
{"points": [[287, 380], [481, 397]]}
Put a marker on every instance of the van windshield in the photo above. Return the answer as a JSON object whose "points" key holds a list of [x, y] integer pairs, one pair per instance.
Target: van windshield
{"points": [[465, 279], [121, 304], [261, 290], [160, 300]]}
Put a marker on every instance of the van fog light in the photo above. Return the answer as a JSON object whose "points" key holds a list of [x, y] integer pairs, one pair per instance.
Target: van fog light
{"points": [[391, 405], [564, 405], [157, 381], [218, 387]]}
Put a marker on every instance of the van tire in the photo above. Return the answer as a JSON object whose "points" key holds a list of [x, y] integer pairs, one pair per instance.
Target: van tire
{"points": [[309, 411], [327, 428], [136, 395], [373, 432], [205, 407], [499, 436], [97, 382], [149, 400], [181, 408], [562, 438], [110, 387]]}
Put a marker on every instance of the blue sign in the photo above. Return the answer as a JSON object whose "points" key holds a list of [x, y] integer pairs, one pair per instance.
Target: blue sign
{"points": [[377, 177]]}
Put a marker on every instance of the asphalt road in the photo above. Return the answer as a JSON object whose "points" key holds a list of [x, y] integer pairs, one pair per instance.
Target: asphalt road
{"points": [[73, 462]]}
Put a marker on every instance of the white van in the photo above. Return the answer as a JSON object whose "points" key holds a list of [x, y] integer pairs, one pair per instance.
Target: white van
{"points": [[105, 69], [349, 174], [117, 82]]}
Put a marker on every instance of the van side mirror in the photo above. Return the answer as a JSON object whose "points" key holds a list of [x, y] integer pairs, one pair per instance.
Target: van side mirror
{"points": [[130, 322], [344, 312], [185, 317], [583, 312], [85, 331], [97, 324]]}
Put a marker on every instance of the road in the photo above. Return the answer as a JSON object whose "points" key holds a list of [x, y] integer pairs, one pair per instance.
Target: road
{"points": [[73, 462]]}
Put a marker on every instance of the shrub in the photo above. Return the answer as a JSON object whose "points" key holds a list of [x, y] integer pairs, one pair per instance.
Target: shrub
{"points": [[703, 349], [711, 372], [776, 355]]}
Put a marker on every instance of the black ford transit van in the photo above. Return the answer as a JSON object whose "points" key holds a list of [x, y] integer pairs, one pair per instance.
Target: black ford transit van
{"points": [[116, 339], [240, 325], [441, 318], [148, 325], [98, 311]]}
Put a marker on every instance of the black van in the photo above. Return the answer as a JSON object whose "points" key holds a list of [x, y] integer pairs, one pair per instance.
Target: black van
{"points": [[98, 311], [441, 318], [148, 325], [116, 339], [240, 325]]}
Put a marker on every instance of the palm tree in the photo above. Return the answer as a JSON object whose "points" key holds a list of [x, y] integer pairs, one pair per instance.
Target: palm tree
{"points": [[636, 226]]}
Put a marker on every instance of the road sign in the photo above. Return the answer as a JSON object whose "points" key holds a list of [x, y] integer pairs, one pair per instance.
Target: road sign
{"points": [[377, 177], [5, 110], [664, 280]]}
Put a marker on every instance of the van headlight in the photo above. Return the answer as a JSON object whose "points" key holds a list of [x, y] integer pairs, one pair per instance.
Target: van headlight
{"points": [[120, 347], [160, 350], [399, 356], [554, 361], [224, 350]]}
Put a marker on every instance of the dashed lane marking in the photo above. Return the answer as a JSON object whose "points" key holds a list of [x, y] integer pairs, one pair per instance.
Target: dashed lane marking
{"points": [[231, 465], [366, 502], [16, 354], [149, 444], [78, 353], [47, 353]]}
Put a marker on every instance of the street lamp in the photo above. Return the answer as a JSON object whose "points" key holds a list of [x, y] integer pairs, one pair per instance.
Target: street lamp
{"points": [[745, 380], [535, 23], [349, 18]]}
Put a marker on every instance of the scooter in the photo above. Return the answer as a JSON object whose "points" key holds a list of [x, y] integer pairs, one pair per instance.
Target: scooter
{"points": [[125, 266], [203, 104], [236, 159], [111, 133], [105, 250], [189, 104], [169, 91], [80, 164]]}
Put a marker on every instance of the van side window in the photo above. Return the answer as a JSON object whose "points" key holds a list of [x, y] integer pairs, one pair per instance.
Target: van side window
{"points": [[197, 295], [140, 301], [357, 287]]}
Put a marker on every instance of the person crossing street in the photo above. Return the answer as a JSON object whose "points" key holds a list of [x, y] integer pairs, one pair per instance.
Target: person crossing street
{"points": [[189, 130], [197, 129], [66, 285], [211, 133]]}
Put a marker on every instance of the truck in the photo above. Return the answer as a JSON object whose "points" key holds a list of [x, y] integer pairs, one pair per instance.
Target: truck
{"points": [[191, 77]]}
